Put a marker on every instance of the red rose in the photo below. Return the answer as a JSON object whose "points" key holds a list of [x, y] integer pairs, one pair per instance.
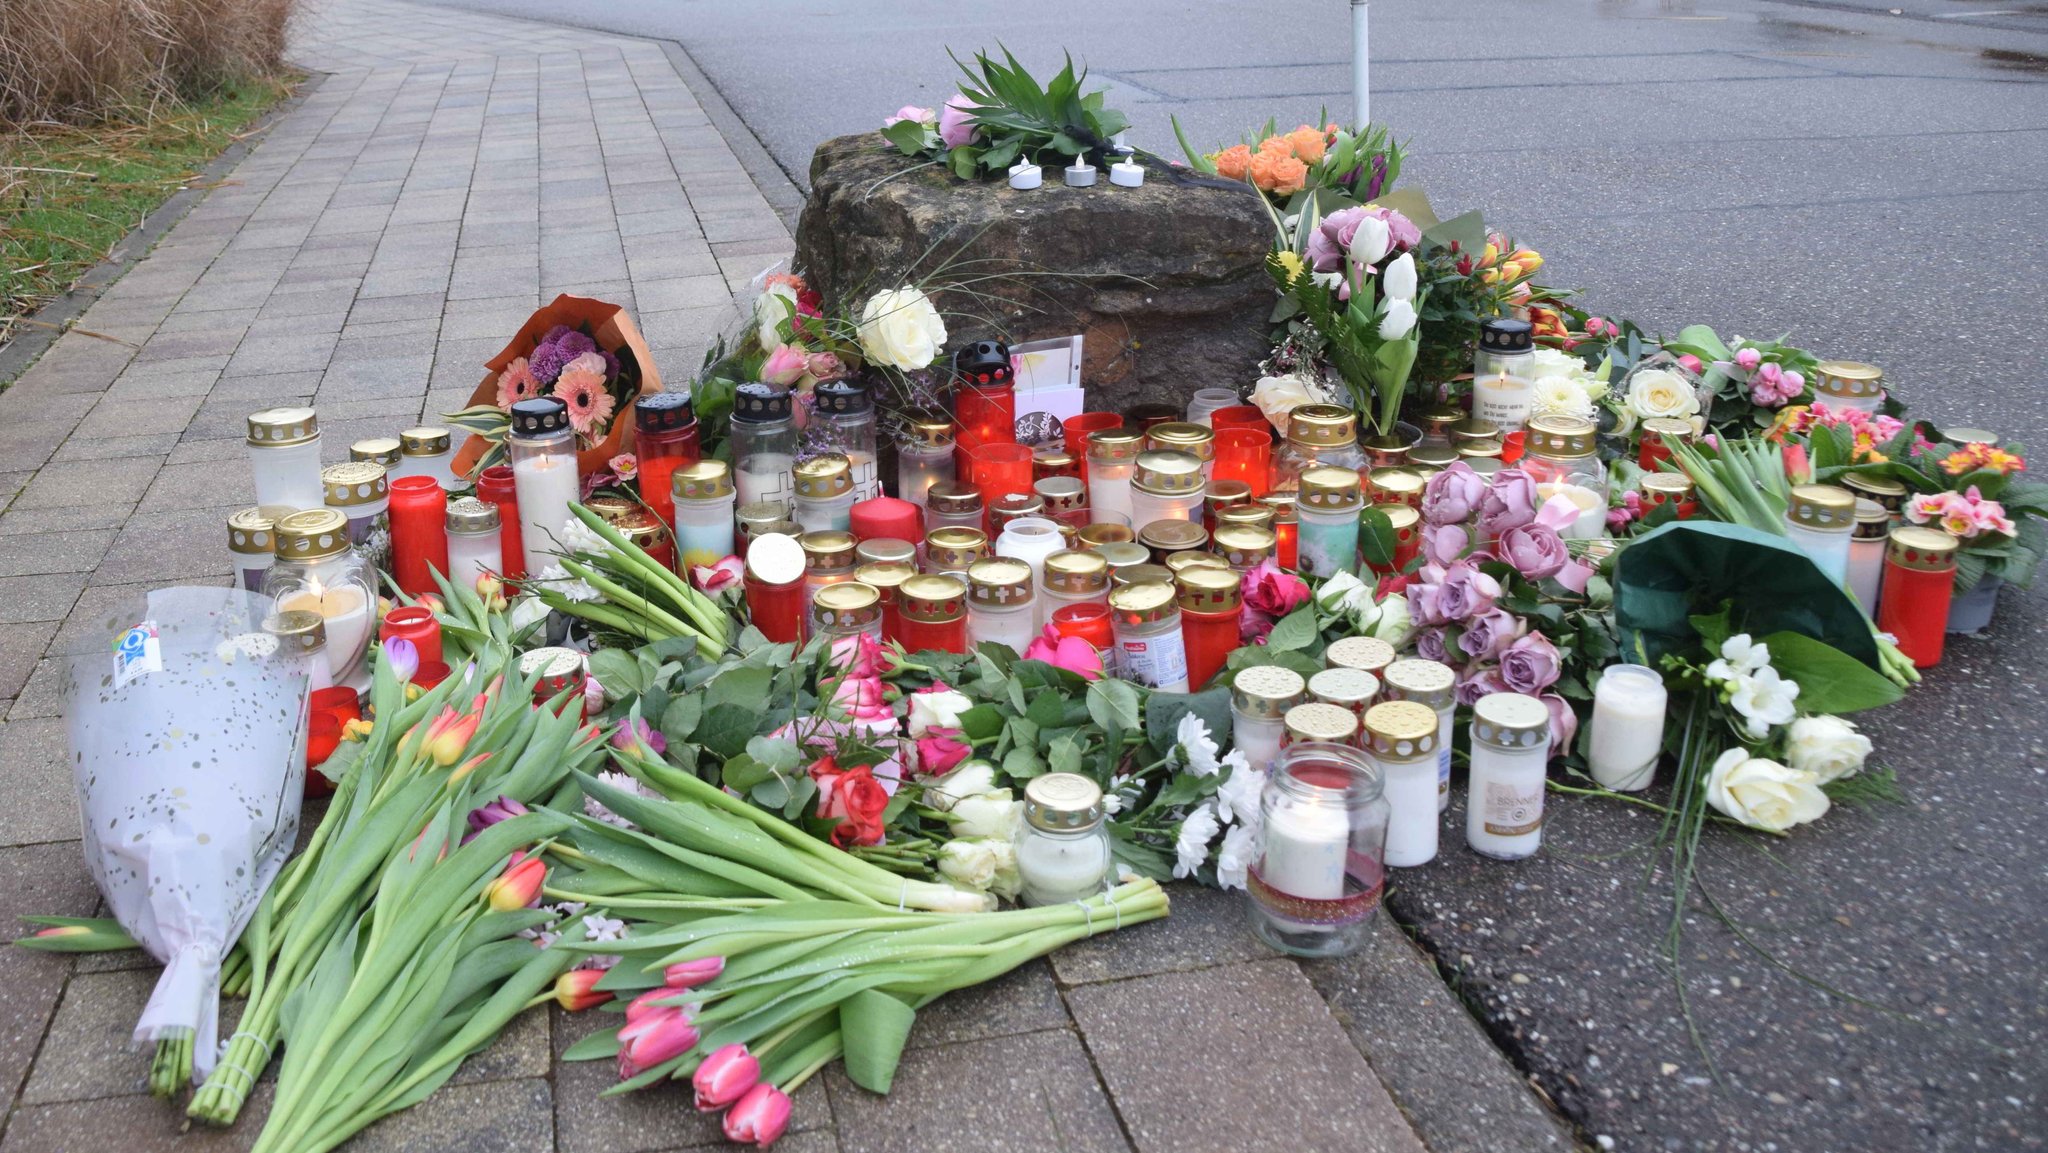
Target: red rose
{"points": [[854, 798]]}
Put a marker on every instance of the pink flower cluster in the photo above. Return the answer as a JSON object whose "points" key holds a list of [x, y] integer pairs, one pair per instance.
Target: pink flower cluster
{"points": [[1879, 427], [1964, 515], [1270, 593]]}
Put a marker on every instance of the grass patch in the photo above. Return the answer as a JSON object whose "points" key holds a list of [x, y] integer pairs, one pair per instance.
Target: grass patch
{"points": [[69, 194]]}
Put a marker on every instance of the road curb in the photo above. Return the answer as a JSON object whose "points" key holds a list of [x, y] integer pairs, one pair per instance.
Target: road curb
{"points": [[783, 193]]}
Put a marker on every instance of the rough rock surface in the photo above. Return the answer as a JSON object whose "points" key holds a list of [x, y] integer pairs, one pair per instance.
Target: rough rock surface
{"points": [[1166, 280]]}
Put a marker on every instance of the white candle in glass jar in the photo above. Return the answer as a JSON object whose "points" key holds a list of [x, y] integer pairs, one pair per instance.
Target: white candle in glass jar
{"points": [[1628, 727], [546, 485], [347, 620], [1591, 523], [1307, 844]]}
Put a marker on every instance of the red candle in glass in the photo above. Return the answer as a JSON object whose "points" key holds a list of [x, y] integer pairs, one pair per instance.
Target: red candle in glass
{"points": [[1287, 544], [1211, 601], [1002, 470], [494, 484], [775, 588], [430, 674], [1240, 416], [1511, 447], [1919, 581], [666, 440], [1088, 621], [1407, 524], [1077, 429], [984, 404], [419, 533], [1244, 454], [932, 614], [418, 624], [888, 518]]}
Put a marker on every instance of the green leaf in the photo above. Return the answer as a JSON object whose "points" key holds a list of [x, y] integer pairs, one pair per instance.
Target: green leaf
{"points": [[1064, 756], [963, 161], [739, 686], [1830, 681], [908, 136], [618, 671], [873, 1027], [1113, 703], [679, 720], [1163, 713], [1047, 711], [726, 728], [1296, 630], [1023, 762], [981, 722], [1376, 537]]}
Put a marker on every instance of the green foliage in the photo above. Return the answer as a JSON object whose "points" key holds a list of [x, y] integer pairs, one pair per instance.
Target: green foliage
{"points": [[1017, 119]]}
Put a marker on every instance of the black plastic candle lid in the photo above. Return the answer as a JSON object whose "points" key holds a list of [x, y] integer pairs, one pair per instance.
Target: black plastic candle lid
{"points": [[1506, 334], [759, 403], [663, 411], [539, 417], [843, 397], [983, 362]]}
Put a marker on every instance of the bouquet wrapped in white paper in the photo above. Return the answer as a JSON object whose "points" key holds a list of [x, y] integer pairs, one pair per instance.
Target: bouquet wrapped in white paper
{"points": [[188, 747]]}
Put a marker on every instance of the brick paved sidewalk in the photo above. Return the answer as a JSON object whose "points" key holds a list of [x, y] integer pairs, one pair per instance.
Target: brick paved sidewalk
{"points": [[448, 173]]}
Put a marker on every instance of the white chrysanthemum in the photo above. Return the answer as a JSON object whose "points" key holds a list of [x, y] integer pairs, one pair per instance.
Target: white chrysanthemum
{"points": [[1234, 859], [557, 579], [1561, 396], [579, 537], [1197, 750], [1191, 848], [1237, 798]]}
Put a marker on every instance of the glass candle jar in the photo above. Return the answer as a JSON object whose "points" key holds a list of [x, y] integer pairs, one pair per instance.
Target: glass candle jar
{"points": [[1919, 582], [1166, 539], [886, 578], [1075, 431], [1402, 739], [846, 425], [1672, 488], [384, 450], [1167, 486], [1243, 546], [416, 625], [542, 448], [847, 610], [1211, 604], [1260, 513], [924, 455], [1318, 867], [824, 494], [1013, 506], [472, 541], [1073, 576], [764, 441], [1063, 853], [499, 485], [951, 504], [1503, 391], [1866, 553], [1221, 494], [1888, 493], [954, 550], [1819, 519], [317, 571], [1843, 385], [1327, 506], [760, 519], [1629, 704], [1112, 459], [1656, 438], [829, 559], [1510, 752], [1065, 499], [1196, 440], [984, 403], [1207, 400], [1559, 455], [665, 440], [1244, 455], [1400, 486], [1000, 607], [419, 534], [774, 585], [1087, 622], [252, 544], [1240, 416], [1048, 461], [1406, 524], [1317, 434], [429, 450], [1434, 686], [304, 636], [1260, 696], [284, 455], [701, 500], [933, 608], [1001, 470], [1145, 619], [1032, 539], [1435, 423], [359, 490], [1286, 528]]}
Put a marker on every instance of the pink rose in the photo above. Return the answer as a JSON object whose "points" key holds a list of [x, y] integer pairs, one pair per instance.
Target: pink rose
{"points": [[859, 655], [1489, 634], [1510, 502], [863, 699], [1564, 723], [1272, 590], [1070, 653], [1332, 239], [1467, 592], [1253, 626], [1453, 495], [956, 124], [1476, 680], [1535, 550], [1444, 543], [940, 750], [1531, 664], [1401, 230], [824, 367], [716, 578], [785, 366], [910, 112], [1431, 645], [1691, 363]]}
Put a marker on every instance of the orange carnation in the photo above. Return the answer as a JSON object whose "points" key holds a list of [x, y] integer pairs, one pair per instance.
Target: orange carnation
{"points": [[1234, 162], [1308, 144], [1279, 173]]}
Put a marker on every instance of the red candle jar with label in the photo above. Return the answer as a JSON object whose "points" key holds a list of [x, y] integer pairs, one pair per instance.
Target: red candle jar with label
{"points": [[932, 614], [494, 484], [415, 623], [1077, 429], [1240, 416], [1919, 580], [1001, 470], [888, 518], [666, 440], [1286, 530], [1087, 622], [776, 601], [984, 404], [886, 578], [1211, 601], [1245, 455], [419, 533]]}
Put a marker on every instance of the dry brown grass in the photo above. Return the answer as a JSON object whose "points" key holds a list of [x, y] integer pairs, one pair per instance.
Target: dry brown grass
{"points": [[78, 61]]}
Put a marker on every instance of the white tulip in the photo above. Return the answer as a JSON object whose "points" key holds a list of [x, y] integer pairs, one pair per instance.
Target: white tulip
{"points": [[940, 710], [1399, 320], [1828, 747], [1764, 794], [969, 863], [970, 779], [1372, 241], [989, 815], [1398, 281]]}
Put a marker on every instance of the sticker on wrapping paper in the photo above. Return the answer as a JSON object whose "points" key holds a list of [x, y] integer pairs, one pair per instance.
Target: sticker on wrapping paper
{"points": [[138, 651]]}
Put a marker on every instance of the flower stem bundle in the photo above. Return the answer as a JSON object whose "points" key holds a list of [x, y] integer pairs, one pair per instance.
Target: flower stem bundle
{"points": [[637, 595]]}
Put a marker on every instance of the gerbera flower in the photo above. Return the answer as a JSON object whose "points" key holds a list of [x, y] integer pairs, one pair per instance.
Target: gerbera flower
{"points": [[516, 383], [581, 387]]}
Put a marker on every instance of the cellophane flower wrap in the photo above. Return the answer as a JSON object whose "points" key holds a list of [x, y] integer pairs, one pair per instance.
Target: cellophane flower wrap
{"points": [[188, 747]]}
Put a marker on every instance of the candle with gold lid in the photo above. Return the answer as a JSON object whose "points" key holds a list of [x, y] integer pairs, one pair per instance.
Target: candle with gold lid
{"points": [[1352, 689], [933, 608], [1000, 605], [1473, 430], [1166, 537], [1122, 555], [1662, 488], [1428, 458], [1559, 455], [1112, 459], [824, 493], [1260, 696], [1098, 534], [384, 450], [428, 450], [1886, 491], [252, 543], [1402, 737], [317, 571], [1053, 462], [1168, 486], [1073, 576], [1013, 506], [1436, 426], [1867, 543], [1145, 619], [1065, 499], [1255, 513], [701, 499], [1434, 685], [1180, 562], [829, 559], [1656, 438], [1843, 385], [1221, 494], [1317, 434], [1368, 653], [1969, 436], [1140, 574], [284, 455], [924, 454], [1286, 528], [954, 549], [953, 504], [886, 577], [1919, 585], [359, 490], [1819, 519], [1319, 723], [1510, 757], [846, 610], [303, 633], [1329, 504], [1406, 524], [473, 541], [1211, 602], [752, 521], [1244, 546], [1197, 440], [559, 672], [1397, 486]]}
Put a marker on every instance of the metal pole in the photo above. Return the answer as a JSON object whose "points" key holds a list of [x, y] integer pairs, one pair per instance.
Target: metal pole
{"points": [[1361, 63]]}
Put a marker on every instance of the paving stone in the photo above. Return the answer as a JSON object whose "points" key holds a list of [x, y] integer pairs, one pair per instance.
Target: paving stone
{"points": [[42, 696], [49, 880], [89, 1051], [68, 485], [165, 545], [38, 598], [1206, 927], [1233, 1058], [41, 520], [1023, 1000], [78, 448], [58, 552], [1032, 1092], [38, 802], [21, 644], [524, 1049], [189, 486], [129, 416], [136, 1124]]}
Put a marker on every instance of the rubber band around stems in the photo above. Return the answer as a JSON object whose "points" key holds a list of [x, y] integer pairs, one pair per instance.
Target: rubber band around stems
{"points": [[253, 1037], [241, 1094]]}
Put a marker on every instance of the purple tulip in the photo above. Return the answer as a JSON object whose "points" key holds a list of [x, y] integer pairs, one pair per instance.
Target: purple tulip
{"points": [[1531, 665], [491, 812], [1536, 551], [404, 658], [1510, 502], [1453, 495], [637, 732], [1467, 592]]}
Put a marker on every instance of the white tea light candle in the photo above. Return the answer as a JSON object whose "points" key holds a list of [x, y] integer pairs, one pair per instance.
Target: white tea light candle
{"points": [[1080, 174], [1126, 174], [1024, 177]]}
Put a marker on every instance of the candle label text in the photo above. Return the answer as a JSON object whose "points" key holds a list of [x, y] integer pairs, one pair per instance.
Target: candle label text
{"points": [[1512, 812]]}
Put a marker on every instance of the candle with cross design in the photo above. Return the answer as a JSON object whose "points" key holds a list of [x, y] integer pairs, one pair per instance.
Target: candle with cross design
{"points": [[999, 603]]}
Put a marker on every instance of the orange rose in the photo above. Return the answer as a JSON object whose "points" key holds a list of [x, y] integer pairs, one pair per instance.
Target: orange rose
{"points": [[1277, 144], [1278, 173], [1308, 144], [1234, 162]]}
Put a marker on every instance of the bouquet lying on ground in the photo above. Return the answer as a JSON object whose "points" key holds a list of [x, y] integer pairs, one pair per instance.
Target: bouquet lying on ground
{"points": [[1002, 116]]}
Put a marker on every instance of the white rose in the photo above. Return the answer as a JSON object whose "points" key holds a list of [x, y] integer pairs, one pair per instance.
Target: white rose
{"points": [[1399, 320], [1661, 392], [1009, 880], [940, 709], [775, 305], [971, 779], [1344, 593], [901, 329], [1547, 361], [1764, 794], [969, 863], [1277, 396], [1398, 281], [1395, 626], [1828, 747], [1561, 396], [988, 815]]}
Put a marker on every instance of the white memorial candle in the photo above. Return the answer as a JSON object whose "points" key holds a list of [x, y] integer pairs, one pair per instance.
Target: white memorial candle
{"points": [[1307, 841], [547, 484], [1591, 523], [1628, 727]]}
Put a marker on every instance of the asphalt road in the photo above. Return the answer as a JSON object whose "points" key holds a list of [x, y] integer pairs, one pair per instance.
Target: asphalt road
{"points": [[1871, 177]]}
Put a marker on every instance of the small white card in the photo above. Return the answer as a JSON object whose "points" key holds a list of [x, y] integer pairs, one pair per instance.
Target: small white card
{"points": [[1048, 376]]}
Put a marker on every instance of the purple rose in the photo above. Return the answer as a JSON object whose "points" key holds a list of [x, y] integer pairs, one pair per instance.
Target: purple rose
{"points": [[1509, 503], [1536, 551], [1531, 664], [1332, 239], [956, 120], [1444, 543], [1564, 723], [1453, 495], [1476, 680], [1467, 592], [1426, 603], [1489, 634], [1430, 645], [1400, 229]]}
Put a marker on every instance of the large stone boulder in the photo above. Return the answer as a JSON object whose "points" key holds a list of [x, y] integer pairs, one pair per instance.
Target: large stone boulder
{"points": [[1166, 280]]}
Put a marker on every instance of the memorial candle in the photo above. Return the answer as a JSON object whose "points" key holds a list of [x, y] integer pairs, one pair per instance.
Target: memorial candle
{"points": [[666, 440], [1919, 582], [1629, 704], [775, 587], [497, 485], [1077, 430], [543, 452], [984, 407], [419, 533]]}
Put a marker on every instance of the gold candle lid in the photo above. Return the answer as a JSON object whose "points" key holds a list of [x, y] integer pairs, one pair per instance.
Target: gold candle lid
{"points": [[1473, 429], [1062, 803], [299, 631], [848, 605], [1848, 379], [1321, 723], [1511, 721], [1428, 683], [885, 576], [1013, 506], [357, 482], [1124, 576], [1124, 554], [754, 518], [1076, 572], [1397, 486], [251, 531], [955, 546], [1352, 689], [1659, 487], [1327, 488], [952, 498], [1433, 457], [1822, 507], [1480, 450], [703, 480], [1143, 604], [882, 549], [1873, 520], [613, 510], [315, 534], [824, 477], [1282, 504], [1562, 437], [382, 450], [1179, 562], [1099, 534], [1197, 440], [828, 551], [1921, 549], [1251, 514], [999, 583], [1110, 445], [1400, 517], [1368, 653], [642, 528], [1266, 692], [1049, 462], [932, 598], [1883, 489], [1167, 473], [1222, 494], [1322, 425], [1436, 422], [928, 429], [1401, 731], [1667, 430], [1243, 546], [470, 516], [1061, 494], [277, 427], [426, 440], [1169, 536], [1208, 589]]}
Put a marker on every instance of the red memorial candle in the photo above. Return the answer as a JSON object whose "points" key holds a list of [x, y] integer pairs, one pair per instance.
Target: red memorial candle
{"points": [[419, 533], [1407, 525], [1002, 470], [984, 404], [1077, 429], [775, 587], [666, 440], [1919, 580], [418, 624], [1245, 455], [886, 517], [1240, 416], [495, 485], [1211, 601], [932, 614], [1088, 621]]}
